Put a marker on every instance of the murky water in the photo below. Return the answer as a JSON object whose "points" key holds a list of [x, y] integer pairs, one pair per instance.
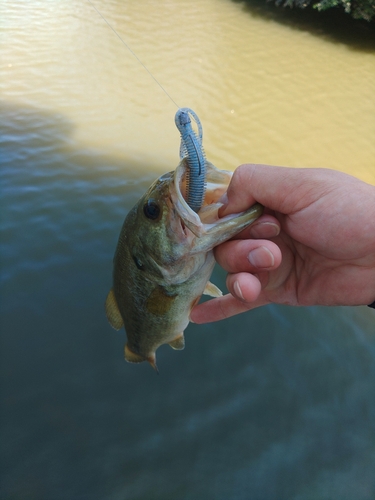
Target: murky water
{"points": [[278, 403]]}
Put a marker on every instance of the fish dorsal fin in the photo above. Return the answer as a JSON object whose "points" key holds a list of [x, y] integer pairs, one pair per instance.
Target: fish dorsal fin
{"points": [[212, 290], [178, 343], [112, 311]]}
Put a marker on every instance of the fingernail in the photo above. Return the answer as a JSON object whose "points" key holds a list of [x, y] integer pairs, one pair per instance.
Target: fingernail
{"points": [[264, 230], [237, 290], [224, 200], [261, 258]]}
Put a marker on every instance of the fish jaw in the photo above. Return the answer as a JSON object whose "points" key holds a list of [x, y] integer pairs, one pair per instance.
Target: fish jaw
{"points": [[210, 230]]}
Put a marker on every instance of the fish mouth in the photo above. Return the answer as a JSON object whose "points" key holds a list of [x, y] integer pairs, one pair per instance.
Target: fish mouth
{"points": [[217, 182], [183, 227]]}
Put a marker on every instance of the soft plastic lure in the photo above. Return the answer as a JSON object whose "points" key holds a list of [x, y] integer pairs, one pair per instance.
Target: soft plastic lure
{"points": [[191, 149]]}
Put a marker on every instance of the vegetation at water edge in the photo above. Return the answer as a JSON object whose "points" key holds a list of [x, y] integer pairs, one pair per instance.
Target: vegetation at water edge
{"points": [[359, 9]]}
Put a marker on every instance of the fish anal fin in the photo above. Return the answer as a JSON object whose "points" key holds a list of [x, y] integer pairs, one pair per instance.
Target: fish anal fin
{"points": [[178, 343], [112, 311], [152, 361], [212, 290]]}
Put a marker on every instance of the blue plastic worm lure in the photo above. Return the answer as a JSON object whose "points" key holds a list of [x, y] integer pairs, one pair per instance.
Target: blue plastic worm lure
{"points": [[191, 149]]}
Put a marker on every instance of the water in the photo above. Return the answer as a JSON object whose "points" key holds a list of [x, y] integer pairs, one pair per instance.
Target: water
{"points": [[278, 403]]}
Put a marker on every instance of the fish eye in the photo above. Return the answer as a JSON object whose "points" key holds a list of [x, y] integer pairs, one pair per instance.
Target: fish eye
{"points": [[151, 209], [138, 263]]}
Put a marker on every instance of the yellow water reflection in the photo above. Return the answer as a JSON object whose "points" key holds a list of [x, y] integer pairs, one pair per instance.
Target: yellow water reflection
{"points": [[264, 91]]}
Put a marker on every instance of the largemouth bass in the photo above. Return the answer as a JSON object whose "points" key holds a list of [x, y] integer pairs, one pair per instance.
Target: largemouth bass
{"points": [[164, 259]]}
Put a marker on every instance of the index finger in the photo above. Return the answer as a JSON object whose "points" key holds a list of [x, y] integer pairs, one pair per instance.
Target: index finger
{"points": [[222, 308]]}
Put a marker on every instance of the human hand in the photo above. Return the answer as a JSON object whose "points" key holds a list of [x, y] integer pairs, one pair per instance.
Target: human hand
{"points": [[315, 244]]}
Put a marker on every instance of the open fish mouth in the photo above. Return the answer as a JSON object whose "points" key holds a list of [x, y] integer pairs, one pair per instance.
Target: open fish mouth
{"points": [[217, 182]]}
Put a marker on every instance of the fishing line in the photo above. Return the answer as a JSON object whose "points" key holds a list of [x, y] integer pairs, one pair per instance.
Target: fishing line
{"points": [[133, 53], [191, 143]]}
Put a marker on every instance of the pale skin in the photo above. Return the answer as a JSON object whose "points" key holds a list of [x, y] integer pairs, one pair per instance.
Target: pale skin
{"points": [[314, 245]]}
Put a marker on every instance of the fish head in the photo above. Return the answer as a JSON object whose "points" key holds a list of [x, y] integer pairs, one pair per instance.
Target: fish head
{"points": [[165, 234], [156, 234]]}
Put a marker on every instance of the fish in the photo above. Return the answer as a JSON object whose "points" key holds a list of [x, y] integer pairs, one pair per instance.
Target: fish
{"points": [[164, 260]]}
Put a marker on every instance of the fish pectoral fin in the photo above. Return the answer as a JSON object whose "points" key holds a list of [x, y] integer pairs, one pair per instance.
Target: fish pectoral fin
{"points": [[112, 311], [212, 290], [178, 343], [132, 357]]}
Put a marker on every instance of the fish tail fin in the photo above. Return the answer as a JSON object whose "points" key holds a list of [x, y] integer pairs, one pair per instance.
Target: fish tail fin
{"points": [[132, 357]]}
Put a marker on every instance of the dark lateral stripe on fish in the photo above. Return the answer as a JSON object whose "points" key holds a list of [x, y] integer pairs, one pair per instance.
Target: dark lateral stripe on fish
{"points": [[159, 301]]}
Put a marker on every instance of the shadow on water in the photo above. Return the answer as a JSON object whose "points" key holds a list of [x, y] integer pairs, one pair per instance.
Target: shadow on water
{"points": [[333, 24], [274, 404]]}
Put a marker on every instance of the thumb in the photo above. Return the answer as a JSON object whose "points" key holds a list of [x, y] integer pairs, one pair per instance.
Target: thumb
{"points": [[277, 188]]}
